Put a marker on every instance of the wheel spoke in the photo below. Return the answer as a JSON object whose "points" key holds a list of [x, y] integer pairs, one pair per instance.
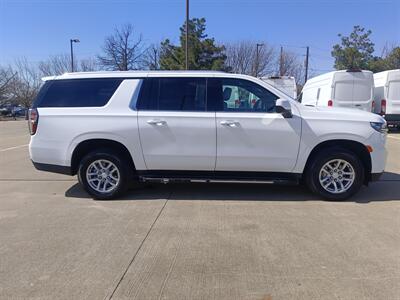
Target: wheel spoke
{"points": [[336, 176], [327, 184], [325, 179], [102, 176]]}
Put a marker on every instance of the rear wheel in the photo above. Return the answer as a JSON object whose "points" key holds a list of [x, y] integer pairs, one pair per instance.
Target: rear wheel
{"points": [[335, 174], [104, 175]]}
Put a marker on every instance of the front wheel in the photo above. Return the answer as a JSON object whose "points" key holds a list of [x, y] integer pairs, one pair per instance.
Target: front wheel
{"points": [[103, 175], [335, 174]]}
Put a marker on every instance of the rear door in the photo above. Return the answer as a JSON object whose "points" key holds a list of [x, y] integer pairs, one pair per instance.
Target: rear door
{"points": [[353, 90], [363, 90], [393, 94], [177, 132], [252, 136], [343, 90]]}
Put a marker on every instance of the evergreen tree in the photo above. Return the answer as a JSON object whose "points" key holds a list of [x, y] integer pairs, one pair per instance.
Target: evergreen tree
{"points": [[204, 54], [354, 51]]}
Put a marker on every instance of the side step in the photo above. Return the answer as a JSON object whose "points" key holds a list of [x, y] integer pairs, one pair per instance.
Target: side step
{"points": [[209, 180]]}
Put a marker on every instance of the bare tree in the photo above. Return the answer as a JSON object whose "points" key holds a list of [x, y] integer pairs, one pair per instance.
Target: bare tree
{"points": [[55, 65], [7, 75], [292, 65], [88, 65], [121, 51], [151, 58], [242, 57], [26, 84]]}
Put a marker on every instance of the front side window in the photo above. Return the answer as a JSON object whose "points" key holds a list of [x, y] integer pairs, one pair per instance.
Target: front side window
{"points": [[173, 94], [245, 96]]}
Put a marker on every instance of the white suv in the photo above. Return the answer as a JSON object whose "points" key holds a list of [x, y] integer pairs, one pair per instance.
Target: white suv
{"points": [[114, 128]]}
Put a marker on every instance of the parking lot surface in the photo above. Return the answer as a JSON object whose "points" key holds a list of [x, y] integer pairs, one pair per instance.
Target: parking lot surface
{"points": [[193, 241]]}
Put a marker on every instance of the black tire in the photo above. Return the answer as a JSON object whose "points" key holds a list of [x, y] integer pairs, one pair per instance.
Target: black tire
{"points": [[313, 171], [125, 173]]}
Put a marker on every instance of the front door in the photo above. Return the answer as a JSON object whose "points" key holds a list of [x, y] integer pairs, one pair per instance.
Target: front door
{"points": [[176, 130], [251, 136]]}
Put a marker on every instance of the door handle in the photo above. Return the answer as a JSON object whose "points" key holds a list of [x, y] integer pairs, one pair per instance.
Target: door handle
{"points": [[157, 122], [230, 123]]}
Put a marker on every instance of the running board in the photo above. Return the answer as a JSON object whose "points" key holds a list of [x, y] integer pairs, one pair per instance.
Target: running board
{"points": [[259, 181]]}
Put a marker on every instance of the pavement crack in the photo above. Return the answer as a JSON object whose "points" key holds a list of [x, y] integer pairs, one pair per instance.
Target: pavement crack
{"points": [[140, 246]]}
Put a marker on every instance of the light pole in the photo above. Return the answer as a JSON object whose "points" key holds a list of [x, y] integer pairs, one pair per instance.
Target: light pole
{"points": [[187, 36], [71, 41], [258, 57]]}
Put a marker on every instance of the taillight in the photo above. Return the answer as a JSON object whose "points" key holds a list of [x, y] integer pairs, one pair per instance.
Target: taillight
{"points": [[383, 107], [330, 103], [33, 120], [373, 106]]}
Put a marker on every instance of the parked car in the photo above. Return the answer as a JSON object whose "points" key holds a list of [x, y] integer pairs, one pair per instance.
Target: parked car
{"points": [[5, 110], [349, 89], [113, 128], [286, 84], [387, 96]]}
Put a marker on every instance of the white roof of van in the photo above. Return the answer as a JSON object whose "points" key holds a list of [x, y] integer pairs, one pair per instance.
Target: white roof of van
{"points": [[387, 72], [331, 74], [135, 74]]}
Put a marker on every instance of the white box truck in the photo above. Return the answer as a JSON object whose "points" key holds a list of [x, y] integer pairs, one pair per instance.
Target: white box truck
{"points": [[387, 96], [286, 84], [345, 88]]}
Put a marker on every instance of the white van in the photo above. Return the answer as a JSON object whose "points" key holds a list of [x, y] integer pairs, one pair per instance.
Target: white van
{"points": [[286, 84], [387, 96], [351, 89]]}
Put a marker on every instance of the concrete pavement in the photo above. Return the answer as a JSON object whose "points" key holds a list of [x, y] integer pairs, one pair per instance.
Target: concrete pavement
{"points": [[193, 241]]}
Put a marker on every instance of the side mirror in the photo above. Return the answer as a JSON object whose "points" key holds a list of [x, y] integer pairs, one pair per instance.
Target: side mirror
{"points": [[283, 107]]}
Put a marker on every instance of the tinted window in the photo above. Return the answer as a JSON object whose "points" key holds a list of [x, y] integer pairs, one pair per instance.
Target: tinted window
{"points": [[173, 94], [240, 95], [77, 92]]}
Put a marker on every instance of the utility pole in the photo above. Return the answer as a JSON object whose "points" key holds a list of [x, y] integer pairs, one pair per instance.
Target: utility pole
{"points": [[71, 41], [281, 63], [257, 64], [155, 59], [187, 36], [306, 63]]}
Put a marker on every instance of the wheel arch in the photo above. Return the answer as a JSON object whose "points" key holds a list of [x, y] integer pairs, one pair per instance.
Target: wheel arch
{"points": [[353, 146], [87, 146]]}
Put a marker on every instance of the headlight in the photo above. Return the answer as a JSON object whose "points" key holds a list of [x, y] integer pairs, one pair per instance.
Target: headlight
{"points": [[379, 126]]}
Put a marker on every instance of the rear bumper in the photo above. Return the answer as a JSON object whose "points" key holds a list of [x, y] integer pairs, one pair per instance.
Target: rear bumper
{"points": [[53, 168], [393, 120]]}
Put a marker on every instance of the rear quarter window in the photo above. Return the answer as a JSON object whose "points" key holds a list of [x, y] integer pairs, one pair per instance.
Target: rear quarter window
{"points": [[77, 92]]}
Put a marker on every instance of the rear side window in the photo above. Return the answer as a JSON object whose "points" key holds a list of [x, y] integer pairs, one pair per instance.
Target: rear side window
{"points": [[173, 94], [77, 92]]}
